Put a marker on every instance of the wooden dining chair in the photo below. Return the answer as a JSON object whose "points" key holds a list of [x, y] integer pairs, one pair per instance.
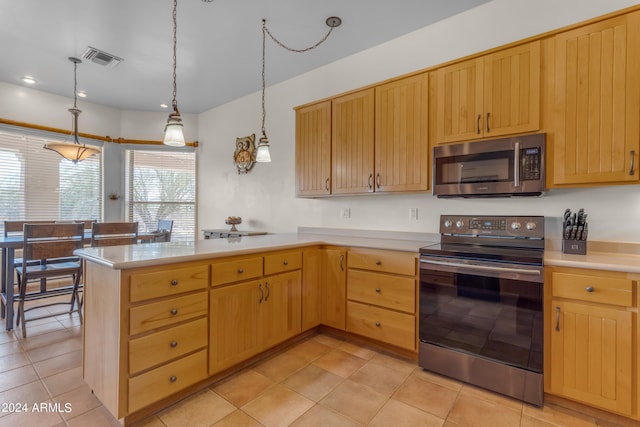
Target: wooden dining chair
{"points": [[114, 233], [43, 244], [165, 226]]}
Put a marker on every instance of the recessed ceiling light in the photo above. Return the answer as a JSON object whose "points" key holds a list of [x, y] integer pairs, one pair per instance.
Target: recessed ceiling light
{"points": [[163, 105], [82, 94], [28, 80]]}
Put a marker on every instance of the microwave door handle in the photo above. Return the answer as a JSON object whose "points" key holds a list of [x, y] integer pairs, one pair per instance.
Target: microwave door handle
{"points": [[516, 165]]}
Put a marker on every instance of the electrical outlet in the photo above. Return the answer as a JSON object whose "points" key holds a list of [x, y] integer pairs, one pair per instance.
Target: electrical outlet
{"points": [[345, 212], [413, 213]]}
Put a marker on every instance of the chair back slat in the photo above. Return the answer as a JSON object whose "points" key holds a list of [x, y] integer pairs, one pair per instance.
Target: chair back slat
{"points": [[43, 241], [114, 233], [16, 228]]}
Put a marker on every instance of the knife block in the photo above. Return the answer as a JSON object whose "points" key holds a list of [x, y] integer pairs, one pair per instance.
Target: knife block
{"points": [[577, 247]]}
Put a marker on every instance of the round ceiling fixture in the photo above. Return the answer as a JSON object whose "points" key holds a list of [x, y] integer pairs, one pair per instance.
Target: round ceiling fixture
{"points": [[333, 21]]}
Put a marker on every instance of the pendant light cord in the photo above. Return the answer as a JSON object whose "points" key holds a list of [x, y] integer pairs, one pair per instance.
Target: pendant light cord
{"points": [[264, 81], [175, 55], [279, 43]]}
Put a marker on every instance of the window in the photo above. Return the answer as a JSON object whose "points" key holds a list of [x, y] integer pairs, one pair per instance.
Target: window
{"points": [[162, 185], [38, 184]]}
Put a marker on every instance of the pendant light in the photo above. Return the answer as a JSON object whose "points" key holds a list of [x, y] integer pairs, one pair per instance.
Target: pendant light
{"points": [[73, 151], [173, 135], [262, 151]]}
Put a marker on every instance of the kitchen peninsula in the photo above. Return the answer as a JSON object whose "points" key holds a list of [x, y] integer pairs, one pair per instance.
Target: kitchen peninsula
{"points": [[163, 320]]}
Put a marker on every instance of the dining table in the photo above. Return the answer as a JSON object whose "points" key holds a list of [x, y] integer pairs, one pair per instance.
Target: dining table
{"points": [[9, 244]]}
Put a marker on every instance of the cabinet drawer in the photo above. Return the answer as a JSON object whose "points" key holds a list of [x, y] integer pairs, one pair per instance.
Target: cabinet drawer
{"points": [[395, 328], [383, 261], [168, 282], [164, 313], [166, 380], [235, 270], [387, 291], [286, 261], [160, 347], [600, 289]]}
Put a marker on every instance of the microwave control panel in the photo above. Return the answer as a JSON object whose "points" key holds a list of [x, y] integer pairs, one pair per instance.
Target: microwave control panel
{"points": [[530, 163]]}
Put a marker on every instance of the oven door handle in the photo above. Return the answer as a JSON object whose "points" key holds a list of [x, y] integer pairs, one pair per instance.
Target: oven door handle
{"points": [[482, 267]]}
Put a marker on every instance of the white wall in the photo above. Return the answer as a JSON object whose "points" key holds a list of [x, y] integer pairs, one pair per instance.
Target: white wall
{"points": [[264, 198]]}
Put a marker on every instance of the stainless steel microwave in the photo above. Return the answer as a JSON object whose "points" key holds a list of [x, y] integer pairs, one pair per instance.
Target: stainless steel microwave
{"points": [[492, 168]]}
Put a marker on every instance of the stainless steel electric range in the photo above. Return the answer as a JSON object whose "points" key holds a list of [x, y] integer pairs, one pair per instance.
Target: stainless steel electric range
{"points": [[481, 303]]}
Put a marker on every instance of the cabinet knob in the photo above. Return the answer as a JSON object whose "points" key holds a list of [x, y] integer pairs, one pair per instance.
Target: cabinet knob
{"points": [[378, 324], [174, 311], [589, 289], [174, 282], [285, 262], [378, 262], [173, 344], [173, 378], [240, 270], [378, 290]]}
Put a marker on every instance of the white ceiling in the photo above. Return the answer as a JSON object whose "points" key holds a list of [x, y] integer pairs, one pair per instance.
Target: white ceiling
{"points": [[219, 44]]}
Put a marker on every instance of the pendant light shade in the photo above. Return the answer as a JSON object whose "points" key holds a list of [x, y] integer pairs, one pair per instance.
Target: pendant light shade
{"points": [[73, 151], [173, 134], [262, 151]]}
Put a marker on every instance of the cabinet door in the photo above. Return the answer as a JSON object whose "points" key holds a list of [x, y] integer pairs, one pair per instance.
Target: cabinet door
{"points": [[313, 150], [459, 101], [233, 334], [401, 135], [512, 90], [591, 355], [334, 289], [279, 312], [597, 87], [352, 143], [312, 268]]}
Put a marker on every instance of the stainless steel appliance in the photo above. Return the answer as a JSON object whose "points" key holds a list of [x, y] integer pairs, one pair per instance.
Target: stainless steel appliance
{"points": [[481, 303], [494, 168]]}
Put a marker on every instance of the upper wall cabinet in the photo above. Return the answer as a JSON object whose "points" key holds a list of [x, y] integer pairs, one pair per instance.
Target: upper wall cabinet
{"points": [[352, 143], [401, 137], [313, 149], [596, 102], [493, 95]]}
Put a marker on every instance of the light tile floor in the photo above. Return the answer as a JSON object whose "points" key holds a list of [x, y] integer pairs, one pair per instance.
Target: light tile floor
{"points": [[322, 381]]}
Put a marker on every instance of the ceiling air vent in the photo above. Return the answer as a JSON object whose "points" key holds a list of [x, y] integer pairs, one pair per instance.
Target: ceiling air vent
{"points": [[101, 58]]}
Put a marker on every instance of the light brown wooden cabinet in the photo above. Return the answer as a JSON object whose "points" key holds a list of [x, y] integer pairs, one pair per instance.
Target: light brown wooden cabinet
{"points": [[313, 150], [382, 296], [352, 130], [401, 135], [595, 130], [334, 288], [590, 325], [264, 311], [493, 95]]}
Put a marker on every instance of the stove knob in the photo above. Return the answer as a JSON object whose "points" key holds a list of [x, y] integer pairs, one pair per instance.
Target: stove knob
{"points": [[515, 226], [531, 226], [448, 223], [459, 223]]}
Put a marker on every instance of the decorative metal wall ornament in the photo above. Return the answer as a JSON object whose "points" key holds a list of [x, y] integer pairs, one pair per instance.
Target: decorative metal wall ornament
{"points": [[245, 155]]}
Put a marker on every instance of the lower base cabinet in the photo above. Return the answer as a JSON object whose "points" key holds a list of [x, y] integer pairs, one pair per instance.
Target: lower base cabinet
{"points": [[591, 325]]}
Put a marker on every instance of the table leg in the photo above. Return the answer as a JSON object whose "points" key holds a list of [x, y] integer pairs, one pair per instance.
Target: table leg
{"points": [[8, 287]]}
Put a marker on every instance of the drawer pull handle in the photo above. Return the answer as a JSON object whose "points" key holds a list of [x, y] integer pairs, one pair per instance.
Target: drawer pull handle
{"points": [[378, 324], [173, 378], [174, 344], [589, 289], [174, 311], [378, 262], [557, 319], [240, 270], [174, 282], [378, 290], [285, 262]]}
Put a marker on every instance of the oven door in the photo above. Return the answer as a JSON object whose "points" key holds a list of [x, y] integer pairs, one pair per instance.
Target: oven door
{"points": [[491, 310]]}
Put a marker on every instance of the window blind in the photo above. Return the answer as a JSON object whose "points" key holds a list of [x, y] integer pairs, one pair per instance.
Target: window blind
{"points": [[38, 184], [162, 185]]}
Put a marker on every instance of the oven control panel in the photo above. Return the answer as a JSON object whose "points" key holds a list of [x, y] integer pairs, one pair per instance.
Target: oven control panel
{"points": [[499, 226]]}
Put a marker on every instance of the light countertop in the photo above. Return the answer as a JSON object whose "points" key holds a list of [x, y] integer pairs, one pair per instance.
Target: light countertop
{"points": [[150, 254]]}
